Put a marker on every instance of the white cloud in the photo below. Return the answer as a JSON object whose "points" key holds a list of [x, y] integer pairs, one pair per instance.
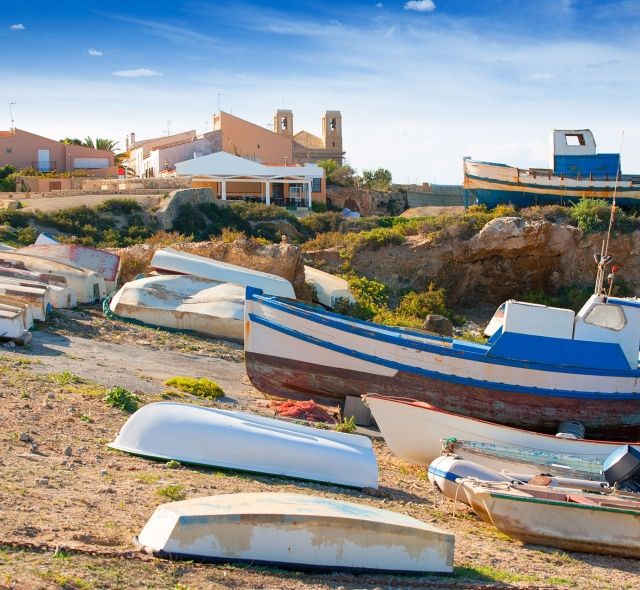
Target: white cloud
{"points": [[379, 5], [17, 27], [95, 52], [420, 5], [137, 73]]}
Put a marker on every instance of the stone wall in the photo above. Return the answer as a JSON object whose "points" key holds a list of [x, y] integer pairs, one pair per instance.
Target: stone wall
{"points": [[170, 207], [129, 184], [367, 201]]}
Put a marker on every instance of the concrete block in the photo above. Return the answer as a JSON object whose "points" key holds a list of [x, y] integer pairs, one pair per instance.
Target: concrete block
{"points": [[353, 406]]}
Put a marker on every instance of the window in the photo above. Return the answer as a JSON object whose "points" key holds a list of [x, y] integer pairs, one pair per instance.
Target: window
{"points": [[575, 139], [332, 124], [9, 150], [315, 185], [283, 123], [334, 144], [606, 316]]}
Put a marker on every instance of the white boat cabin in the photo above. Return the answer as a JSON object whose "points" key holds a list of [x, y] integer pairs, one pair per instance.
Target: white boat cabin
{"points": [[604, 334]]}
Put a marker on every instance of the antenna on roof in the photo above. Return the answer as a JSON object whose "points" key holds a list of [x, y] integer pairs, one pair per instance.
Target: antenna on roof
{"points": [[168, 128], [11, 114], [219, 94]]}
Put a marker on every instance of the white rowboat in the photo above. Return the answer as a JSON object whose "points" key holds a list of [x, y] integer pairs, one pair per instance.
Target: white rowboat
{"points": [[86, 284], [246, 442], [104, 263], [37, 297], [414, 431], [296, 531], [26, 312], [183, 302], [12, 325], [170, 260]]}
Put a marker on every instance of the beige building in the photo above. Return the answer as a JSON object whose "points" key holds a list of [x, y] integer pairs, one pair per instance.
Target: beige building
{"points": [[28, 150], [308, 147]]}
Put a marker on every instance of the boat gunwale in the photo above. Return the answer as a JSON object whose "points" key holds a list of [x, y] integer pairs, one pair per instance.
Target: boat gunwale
{"points": [[426, 406], [459, 349], [560, 503]]}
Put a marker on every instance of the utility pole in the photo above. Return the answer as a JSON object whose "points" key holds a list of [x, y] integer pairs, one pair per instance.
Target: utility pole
{"points": [[11, 104]]}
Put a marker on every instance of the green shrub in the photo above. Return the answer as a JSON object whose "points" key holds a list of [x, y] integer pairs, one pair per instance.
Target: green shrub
{"points": [[173, 492], [593, 215], [119, 397], [346, 425], [119, 206], [203, 387], [420, 305], [27, 235]]}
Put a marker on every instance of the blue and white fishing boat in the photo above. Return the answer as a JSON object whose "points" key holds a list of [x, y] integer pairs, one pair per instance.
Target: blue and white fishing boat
{"points": [[544, 365], [575, 171]]}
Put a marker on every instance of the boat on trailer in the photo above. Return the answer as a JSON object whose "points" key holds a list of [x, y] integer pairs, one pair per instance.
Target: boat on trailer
{"points": [[183, 302], [169, 260], [246, 442], [543, 367], [296, 531], [575, 171]]}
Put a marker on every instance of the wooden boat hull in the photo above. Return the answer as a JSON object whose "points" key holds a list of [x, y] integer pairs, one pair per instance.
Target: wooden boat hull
{"points": [[246, 442], [297, 531], [294, 350], [60, 297], [414, 432], [566, 525], [491, 184], [38, 298], [170, 260], [183, 302], [104, 263]]}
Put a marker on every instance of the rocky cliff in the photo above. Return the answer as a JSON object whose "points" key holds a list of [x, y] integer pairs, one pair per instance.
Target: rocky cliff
{"points": [[506, 258], [367, 201]]}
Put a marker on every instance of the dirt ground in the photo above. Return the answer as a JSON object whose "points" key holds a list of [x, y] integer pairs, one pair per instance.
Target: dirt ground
{"points": [[69, 506]]}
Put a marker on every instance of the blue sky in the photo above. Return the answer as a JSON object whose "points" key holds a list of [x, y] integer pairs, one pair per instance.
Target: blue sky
{"points": [[420, 83]]}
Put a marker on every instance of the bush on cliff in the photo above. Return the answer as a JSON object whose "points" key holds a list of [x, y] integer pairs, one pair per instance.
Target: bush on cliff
{"points": [[592, 215]]}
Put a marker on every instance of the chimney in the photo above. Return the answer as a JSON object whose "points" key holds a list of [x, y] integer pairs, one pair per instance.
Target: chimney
{"points": [[132, 139]]}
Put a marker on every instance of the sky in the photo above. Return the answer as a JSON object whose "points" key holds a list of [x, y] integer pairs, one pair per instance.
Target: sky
{"points": [[420, 83]]}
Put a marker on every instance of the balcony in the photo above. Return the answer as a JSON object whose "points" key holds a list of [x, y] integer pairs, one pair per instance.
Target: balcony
{"points": [[44, 166]]}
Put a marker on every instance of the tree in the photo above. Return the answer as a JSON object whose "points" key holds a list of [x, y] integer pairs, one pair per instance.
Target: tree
{"points": [[71, 141], [379, 179], [100, 143], [328, 165]]}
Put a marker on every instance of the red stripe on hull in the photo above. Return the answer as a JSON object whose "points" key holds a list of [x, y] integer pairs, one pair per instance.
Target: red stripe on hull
{"points": [[609, 419]]}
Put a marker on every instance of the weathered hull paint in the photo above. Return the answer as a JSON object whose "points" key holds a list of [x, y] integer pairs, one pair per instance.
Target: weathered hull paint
{"points": [[297, 531], [299, 380], [565, 525], [492, 184]]}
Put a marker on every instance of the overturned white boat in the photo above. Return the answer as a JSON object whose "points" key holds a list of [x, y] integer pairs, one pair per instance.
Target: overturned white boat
{"points": [[37, 297], [104, 263], [183, 302], [173, 261], [26, 312], [296, 531], [87, 285], [328, 288], [61, 297], [12, 326], [246, 442]]}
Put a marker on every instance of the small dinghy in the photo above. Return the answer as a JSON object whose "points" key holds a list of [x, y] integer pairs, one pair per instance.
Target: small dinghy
{"points": [[173, 261], [298, 532], [183, 302], [246, 442], [104, 263], [26, 312], [12, 327], [87, 285], [37, 297], [328, 288], [61, 297]]}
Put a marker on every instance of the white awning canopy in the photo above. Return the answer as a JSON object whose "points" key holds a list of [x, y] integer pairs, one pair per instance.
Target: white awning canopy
{"points": [[222, 165]]}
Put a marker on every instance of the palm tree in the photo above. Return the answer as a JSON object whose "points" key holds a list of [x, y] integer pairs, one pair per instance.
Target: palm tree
{"points": [[100, 143], [71, 141]]}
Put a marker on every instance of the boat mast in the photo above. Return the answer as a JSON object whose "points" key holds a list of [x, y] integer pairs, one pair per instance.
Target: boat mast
{"points": [[603, 259]]}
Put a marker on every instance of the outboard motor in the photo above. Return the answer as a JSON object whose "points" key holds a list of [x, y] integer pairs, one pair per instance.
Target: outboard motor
{"points": [[622, 468]]}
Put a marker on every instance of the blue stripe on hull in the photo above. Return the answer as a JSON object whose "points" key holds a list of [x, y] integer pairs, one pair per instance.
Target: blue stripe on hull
{"points": [[451, 378], [491, 198]]}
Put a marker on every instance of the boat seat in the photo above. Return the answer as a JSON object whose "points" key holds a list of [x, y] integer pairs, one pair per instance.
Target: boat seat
{"points": [[580, 499]]}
